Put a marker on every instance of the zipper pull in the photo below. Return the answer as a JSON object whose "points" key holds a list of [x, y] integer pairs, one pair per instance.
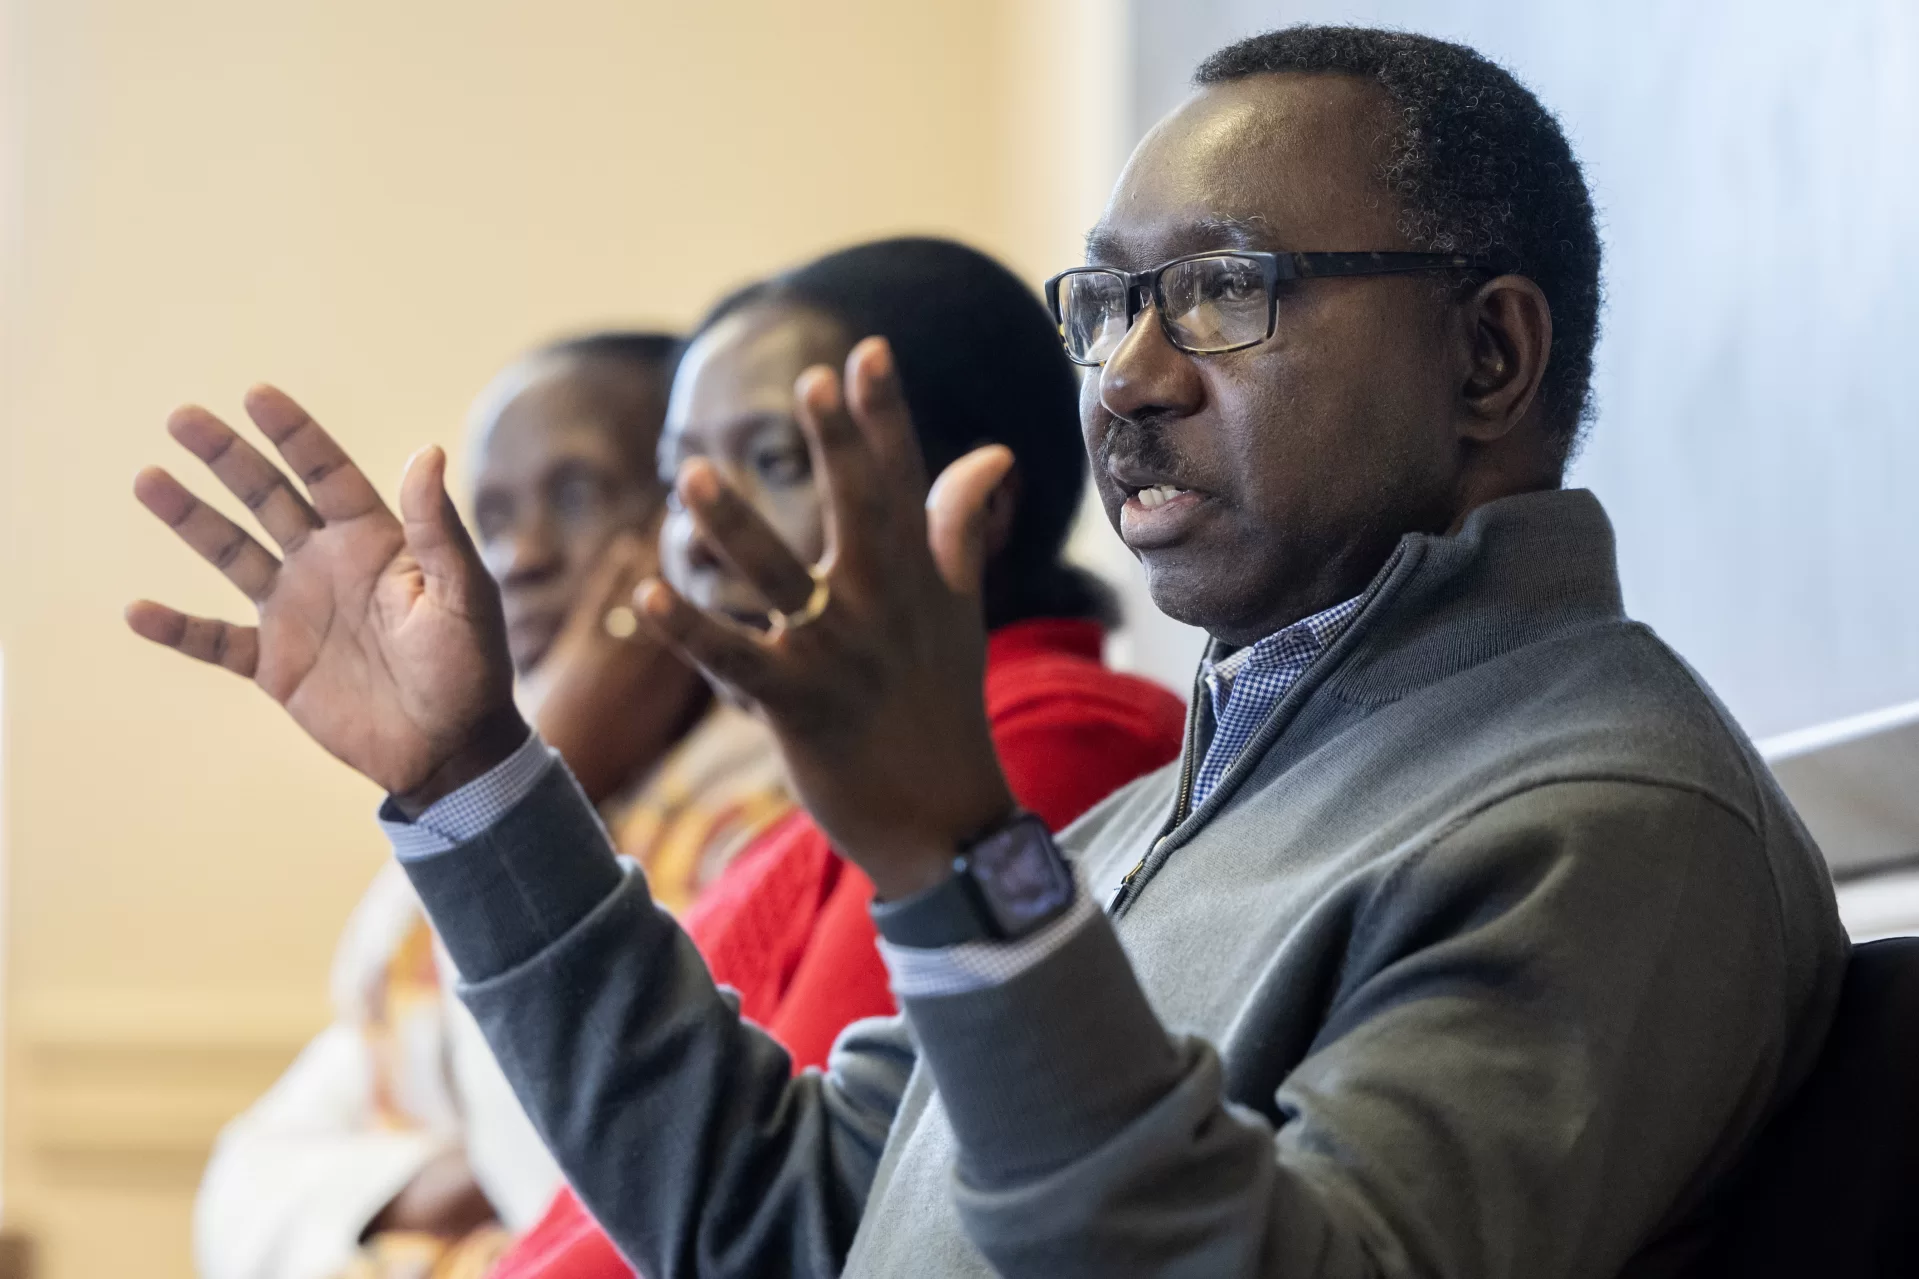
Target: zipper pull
{"points": [[1119, 894]]}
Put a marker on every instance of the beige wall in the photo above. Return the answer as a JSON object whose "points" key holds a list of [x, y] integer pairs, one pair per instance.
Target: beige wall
{"points": [[373, 204]]}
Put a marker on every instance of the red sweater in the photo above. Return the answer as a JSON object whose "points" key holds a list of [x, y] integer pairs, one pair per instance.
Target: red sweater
{"points": [[787, 926]]}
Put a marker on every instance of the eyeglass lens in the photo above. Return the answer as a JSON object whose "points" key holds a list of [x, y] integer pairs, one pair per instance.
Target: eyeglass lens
{"points": [[1215, 303], [1212, 304], [1092, 308]]}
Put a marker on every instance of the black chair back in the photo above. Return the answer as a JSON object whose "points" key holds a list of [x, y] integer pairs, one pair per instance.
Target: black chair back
{"points": [[1834, 1182]]}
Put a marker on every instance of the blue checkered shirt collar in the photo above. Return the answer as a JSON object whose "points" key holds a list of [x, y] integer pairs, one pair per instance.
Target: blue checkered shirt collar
{"points": [[1246, 684]]}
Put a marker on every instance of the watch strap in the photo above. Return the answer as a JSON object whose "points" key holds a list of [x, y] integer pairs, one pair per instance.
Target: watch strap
{"points": [[957, 909], [946, 914]]}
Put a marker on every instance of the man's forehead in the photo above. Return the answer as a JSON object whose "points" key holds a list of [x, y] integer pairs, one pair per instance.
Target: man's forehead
{"points": [[1286, 162]]}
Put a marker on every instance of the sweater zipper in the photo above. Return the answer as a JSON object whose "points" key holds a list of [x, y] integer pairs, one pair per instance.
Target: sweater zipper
{"points": [[1260, 741], [1183, 800]]}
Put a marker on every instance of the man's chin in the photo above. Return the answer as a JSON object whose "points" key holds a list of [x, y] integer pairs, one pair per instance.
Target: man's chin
{"points": [[1177, 591], [1185, 591]]}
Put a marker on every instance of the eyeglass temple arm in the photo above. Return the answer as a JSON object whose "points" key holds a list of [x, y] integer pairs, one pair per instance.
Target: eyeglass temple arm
{"points": [[1310, 265]]}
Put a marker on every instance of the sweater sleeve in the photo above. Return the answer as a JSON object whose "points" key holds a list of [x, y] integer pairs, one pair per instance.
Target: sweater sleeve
{"points": [[1550, 1028], [620, 1047]]}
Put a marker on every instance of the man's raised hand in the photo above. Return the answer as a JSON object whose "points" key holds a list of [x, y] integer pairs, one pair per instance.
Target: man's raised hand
{"points": [[382, 637], [877, 701]]}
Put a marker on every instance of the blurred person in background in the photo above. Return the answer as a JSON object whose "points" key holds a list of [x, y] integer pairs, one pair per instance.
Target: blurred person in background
{"points": [[788, 926], [393, 1146]]}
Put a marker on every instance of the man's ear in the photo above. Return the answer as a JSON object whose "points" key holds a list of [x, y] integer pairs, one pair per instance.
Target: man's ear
{"points": [[1509, 338]]}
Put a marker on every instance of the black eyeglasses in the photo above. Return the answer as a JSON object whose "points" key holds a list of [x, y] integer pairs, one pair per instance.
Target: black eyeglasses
{"points": [[1209, 303]]}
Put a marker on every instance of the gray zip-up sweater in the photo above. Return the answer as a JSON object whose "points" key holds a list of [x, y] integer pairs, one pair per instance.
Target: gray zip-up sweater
{"points": [[1488, 958]]}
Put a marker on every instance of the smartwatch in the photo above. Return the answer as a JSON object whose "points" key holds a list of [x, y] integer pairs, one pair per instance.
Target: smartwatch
{"points": [[1003, 887]]}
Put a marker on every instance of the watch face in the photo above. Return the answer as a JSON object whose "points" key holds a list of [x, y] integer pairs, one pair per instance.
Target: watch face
{"points": [[1022, 877]]}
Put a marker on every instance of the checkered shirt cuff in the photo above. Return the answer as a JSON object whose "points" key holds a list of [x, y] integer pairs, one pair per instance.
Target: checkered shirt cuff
{"points": [[471, 810], [920, 973]]}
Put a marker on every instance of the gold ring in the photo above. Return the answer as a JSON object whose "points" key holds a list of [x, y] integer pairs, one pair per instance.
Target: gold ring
{"points": [[783, 621], [620, 622]]}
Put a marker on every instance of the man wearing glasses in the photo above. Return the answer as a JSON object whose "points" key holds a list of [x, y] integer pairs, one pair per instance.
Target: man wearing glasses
{"points": [[1467, 938]]}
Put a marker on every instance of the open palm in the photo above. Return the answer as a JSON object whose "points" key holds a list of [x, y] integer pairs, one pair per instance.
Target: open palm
{"points": [[381, 636]]}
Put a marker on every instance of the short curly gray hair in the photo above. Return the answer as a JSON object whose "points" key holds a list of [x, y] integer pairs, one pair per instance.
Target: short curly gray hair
{"points": [[1477, 165]]}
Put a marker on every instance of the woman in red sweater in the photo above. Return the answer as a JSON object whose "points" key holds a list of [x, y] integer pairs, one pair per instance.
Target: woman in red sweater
{"points": [[786, 924]]}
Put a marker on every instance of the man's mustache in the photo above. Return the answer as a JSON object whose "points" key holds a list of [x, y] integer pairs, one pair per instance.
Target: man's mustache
{"points": [[1141, 443]]}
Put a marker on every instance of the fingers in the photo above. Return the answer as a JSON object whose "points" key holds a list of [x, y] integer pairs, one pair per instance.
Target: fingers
{"points": [[956, 515], [879, 408], [729, 653], [259, 484], [340, 491], [733, 528], [851, 493], [433, 529], [237, 648], [217, 539]]}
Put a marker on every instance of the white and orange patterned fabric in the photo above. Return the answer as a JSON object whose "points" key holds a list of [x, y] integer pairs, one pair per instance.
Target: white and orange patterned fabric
{"points": [[403, 1075]]}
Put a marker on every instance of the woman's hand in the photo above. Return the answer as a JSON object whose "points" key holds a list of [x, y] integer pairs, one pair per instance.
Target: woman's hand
{"points": [[877, 702], [382, 637], [613, 706]]}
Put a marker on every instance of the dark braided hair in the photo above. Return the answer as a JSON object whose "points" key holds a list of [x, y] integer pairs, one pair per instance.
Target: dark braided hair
{"points": [[1477, 165], [980, 363]]}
